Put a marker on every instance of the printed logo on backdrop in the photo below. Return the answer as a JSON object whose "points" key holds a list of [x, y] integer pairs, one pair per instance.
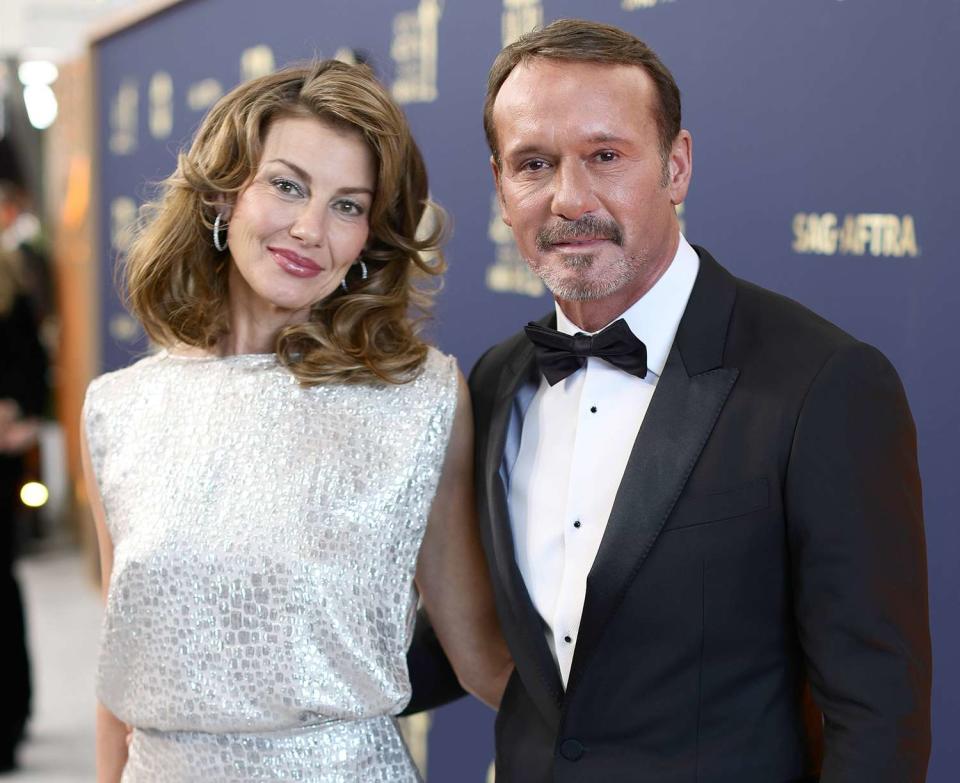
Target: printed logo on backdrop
{"points": [[123, 219], [873, 234], [639, 5], [509, 273], [256, 61], [519, 17], [203, 94], [123, 118], [161, 105], [414, 51]]}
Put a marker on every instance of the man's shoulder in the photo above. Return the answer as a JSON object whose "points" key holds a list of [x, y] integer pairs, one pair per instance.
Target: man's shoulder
{"points": [[755, 301], [487, 368], [768, 316], [502, 365], [770, 333]]}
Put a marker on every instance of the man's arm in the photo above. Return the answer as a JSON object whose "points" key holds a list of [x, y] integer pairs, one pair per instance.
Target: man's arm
{"points": [[855, 516], [432, 677]]}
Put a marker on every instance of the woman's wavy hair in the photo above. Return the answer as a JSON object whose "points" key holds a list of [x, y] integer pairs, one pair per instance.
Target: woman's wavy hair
{"points": [[176, 280]]}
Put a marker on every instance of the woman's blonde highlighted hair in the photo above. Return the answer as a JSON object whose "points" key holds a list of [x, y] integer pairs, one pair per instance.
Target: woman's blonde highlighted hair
{"points": [[177, 281]]}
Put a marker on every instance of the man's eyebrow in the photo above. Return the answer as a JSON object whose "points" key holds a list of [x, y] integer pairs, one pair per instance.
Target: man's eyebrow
{"points": [[526, 149], [597, 138], [606, 138]]}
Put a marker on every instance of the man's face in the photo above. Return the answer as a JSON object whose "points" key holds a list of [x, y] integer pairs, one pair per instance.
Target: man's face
{"points": [[582, 179]]}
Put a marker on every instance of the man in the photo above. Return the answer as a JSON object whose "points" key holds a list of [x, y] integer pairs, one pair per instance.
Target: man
{"points": [[706, 547]]}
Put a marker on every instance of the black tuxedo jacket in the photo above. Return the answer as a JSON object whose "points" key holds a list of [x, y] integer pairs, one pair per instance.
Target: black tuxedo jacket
{"points": [[757, 610]]}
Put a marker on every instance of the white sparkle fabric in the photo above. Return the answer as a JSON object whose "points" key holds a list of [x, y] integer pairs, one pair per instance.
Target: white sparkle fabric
{"points": [[265, 540]]}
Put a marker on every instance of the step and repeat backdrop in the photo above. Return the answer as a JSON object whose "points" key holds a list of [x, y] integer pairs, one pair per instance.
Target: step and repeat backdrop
{"points": [[826, 167]]}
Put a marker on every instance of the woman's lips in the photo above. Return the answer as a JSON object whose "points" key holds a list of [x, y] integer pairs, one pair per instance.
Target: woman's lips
{"points": [[293, 263]]}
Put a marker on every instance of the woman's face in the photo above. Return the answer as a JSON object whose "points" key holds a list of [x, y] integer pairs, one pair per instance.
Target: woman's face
{"points": [[300, 223]]}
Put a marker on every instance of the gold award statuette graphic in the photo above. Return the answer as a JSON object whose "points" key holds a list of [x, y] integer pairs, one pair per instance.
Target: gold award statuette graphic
{"points": [[875, 234], [414, 51], [161, 104], [519, 17], [123, 118], [508, 273], [203, 94], [256, 61], [123, 218]]}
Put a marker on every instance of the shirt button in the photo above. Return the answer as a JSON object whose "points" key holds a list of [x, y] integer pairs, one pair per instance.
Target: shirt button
{"points": [[577, 523], [567, 639], [593, 409], [571, 749]]}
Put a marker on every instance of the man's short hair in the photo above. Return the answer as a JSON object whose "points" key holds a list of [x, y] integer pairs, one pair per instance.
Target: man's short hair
{"points": [[579, 40]]}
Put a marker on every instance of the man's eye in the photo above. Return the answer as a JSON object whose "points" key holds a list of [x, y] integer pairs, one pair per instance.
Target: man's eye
{"points": [[533, 165], [606, 156], [287, 187]]}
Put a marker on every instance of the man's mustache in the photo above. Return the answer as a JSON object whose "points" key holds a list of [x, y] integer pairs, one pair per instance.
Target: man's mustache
{"points": [[586, 227]]}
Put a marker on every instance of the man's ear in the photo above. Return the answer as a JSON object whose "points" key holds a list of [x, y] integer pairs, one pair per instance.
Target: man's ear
{"points": [[680, 167], [496, 182]]}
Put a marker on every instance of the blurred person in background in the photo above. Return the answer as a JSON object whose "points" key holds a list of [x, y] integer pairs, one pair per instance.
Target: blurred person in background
{"points": [[21, 233], [272, 485], [23, 391]]}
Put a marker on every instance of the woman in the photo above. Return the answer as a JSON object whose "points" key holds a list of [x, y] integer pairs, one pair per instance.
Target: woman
{"points": [[262, 485]]}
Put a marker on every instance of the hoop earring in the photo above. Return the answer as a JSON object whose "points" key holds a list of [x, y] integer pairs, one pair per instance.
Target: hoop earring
{"points": [[217, 224], [363, 273]]}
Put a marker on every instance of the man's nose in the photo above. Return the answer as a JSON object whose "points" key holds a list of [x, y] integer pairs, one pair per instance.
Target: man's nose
{"points": [[310, 224], [573, 194]]}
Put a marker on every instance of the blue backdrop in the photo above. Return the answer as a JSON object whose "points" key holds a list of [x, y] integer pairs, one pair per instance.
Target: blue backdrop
{"points": [[825, 167]]}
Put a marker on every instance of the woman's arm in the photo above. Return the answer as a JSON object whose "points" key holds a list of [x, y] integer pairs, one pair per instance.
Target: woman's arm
{"points": [[111, 731], [452, 574]]}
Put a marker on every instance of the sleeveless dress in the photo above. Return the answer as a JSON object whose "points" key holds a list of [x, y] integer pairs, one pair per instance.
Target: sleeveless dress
{"points": [[265, 541]]}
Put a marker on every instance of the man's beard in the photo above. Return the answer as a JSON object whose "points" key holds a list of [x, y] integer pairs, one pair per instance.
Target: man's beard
{"points": [[575, 288]]}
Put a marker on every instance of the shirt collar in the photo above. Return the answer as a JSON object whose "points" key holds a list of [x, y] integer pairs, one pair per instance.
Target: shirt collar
{"points": [[655, 317]]}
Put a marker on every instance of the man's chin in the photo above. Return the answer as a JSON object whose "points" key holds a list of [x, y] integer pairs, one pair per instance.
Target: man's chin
{"points": [[581, 290]]}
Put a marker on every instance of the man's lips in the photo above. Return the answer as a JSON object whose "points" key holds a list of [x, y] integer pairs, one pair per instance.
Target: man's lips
{"points": [[293, 263], [580, 243]]}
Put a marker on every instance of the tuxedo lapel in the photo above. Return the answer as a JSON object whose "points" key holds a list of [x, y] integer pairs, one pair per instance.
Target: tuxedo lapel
{"points": [[688, 399], [525, 634]]}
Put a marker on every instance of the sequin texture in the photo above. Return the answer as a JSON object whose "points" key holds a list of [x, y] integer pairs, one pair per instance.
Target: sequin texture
{"points": [[265, 540]]}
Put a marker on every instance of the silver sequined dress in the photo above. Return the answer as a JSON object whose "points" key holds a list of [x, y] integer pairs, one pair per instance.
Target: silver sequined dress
{"points": [[265, 538]]}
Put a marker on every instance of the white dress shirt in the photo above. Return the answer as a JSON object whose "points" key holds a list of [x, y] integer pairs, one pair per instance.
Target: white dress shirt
{"points": [[574, 442]]}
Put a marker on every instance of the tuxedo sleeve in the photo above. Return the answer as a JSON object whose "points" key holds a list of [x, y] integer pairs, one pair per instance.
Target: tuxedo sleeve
{"points": [[858, 557], [432, 679]]}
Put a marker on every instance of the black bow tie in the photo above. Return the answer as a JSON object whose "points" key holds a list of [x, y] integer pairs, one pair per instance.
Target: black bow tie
{"points": [[559, 354]]}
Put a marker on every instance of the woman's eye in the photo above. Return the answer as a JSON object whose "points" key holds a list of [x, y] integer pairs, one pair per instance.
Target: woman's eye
{"points": [[348, 207], [287, 187]]}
